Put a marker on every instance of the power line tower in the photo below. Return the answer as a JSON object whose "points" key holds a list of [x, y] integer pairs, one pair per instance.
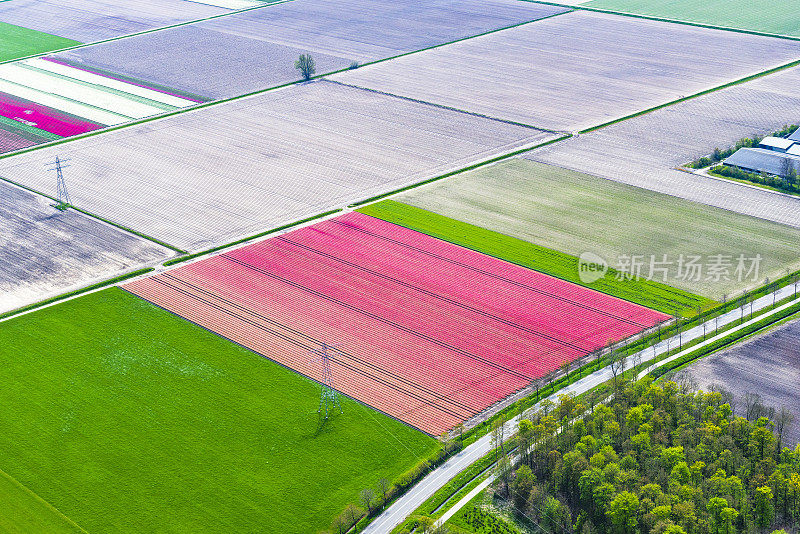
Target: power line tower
{"points": [[328, 397], [62, 197]]}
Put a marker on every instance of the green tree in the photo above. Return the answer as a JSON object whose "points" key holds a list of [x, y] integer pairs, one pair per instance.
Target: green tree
{"points": [[521, 488], [763, 509], [728, 516], [715, 507], [624, 512]]}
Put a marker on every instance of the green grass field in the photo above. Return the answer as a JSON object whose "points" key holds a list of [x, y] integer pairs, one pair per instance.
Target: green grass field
{"points": [[574, 213], [127, 418], [21, 511], [16, 42], [657, 296], [771, 17]]}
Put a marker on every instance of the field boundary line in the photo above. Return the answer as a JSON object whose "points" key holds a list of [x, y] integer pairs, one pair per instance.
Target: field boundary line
{"points": [[580, 7], [36, 496], [246, 240], [704, 92], [493, 159], [143, 32], [442, 106], [252, 93]]}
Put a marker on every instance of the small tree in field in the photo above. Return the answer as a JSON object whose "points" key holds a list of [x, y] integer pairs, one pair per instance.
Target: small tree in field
{"points": [[305, 64]]}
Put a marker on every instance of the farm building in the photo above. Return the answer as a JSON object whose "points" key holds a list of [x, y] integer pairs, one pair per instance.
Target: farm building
{"points": [[764, 160], [776, 144], [773, 155]]}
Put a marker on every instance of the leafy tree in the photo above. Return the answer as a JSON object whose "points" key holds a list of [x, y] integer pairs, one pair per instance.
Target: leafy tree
{"points": [[762, 506], [521, 488], [305, 64], [623, 512], [715, 507]]}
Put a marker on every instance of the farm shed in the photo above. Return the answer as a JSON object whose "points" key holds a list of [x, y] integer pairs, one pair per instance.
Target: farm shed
{"points": [[776, 144], [763, 160]]}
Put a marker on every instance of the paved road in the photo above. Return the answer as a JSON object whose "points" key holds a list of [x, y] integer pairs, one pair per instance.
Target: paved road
{"points": [[425, 488]]}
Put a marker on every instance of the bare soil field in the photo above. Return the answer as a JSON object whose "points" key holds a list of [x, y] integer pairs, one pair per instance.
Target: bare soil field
{"points": [[644, 151], [768, 365], [213, 175], [256, 49], [576, 70], [45, 252], [93, 20]]}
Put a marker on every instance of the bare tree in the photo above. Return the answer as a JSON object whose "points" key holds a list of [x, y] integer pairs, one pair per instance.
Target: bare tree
{"points": [[498, 437], [340, 525], [637, 359], [685, 381], [350, 515], [700, 318], [367, 497], [305, 64], [752, 405], [503, 472], [783, 419], [565, 367], [460, 431]]}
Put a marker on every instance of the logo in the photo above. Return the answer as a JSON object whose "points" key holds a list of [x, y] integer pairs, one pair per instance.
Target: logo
{"points": [[591, 267]]}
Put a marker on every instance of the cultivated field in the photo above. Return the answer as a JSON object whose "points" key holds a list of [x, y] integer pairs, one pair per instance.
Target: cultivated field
{"points": [[213, 175], [426, 331], [643, 151], [129, 419], [13, 139], [46, 252], [93, 20], [575, 213], [562, 265], [575, 70], [771, 17], [16, 42], [254, 50], [768, 365], [51, 99], [25, 512]]}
